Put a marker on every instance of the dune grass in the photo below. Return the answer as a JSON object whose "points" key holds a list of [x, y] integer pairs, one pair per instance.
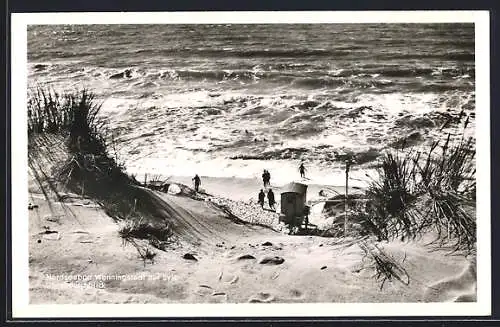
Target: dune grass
{"points": [[386, 267], [415, 193], [145, 230], [75, 116], [88, 168]]}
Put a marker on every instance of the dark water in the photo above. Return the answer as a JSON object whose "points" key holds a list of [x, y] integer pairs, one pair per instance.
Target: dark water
{"points": [[189, 92], [386, 56]]}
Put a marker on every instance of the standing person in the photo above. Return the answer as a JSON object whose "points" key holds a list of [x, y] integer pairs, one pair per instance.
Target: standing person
{"points": [[270, 198], [302, 170], [264, 177], [268, 178], [197, 182], [262, 197]]}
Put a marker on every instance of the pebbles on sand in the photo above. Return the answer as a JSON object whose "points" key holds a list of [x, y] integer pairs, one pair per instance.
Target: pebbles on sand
{"points": [[249, 212]]}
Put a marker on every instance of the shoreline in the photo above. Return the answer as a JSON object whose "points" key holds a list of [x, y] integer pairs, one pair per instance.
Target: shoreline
{"points": [[246, 189]]}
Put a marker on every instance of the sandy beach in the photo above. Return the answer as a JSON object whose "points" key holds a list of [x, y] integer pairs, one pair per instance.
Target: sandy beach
{"points": [[230, 260]]}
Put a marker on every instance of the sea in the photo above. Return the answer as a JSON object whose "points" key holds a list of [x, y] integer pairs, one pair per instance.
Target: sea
{"points": [[230, 100]]}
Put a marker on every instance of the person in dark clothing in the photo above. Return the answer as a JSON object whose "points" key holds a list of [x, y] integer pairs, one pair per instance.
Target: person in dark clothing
{"points": [[270, 198], [262, 197], [197, 182], [268, 178], [302, 170]]}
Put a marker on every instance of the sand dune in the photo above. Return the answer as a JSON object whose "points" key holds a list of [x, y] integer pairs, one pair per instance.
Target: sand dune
{"points": [[201, 221], [235, 261]]}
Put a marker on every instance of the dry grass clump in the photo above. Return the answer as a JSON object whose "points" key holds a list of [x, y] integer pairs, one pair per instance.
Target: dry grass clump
{"points": [[391, 211], [158, 236], [156, 182], [74, 113], [145, 230], [88, 167], [450, 187], [145, 253], [416, 193], [386, 267]]}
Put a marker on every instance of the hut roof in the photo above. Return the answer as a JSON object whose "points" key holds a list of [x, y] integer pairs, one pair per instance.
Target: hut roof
{"points": [[294, 188]]}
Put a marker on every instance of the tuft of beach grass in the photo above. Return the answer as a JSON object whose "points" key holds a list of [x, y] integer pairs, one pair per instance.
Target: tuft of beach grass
{"points": [[416, 193]]}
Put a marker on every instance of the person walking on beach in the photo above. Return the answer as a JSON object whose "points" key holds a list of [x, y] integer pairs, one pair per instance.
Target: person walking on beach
{"points": [[197, 182], [302, 170], [262, 197], [270, 198], [266, 177]]}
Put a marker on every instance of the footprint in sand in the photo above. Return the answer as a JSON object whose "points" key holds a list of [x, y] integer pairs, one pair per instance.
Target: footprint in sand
{"points": [[53, 218], [218, 297], [296, 294], [83, 237], [271, 260], [230, 279], [189, 256], [261, 297], [246, 257], [51, 235], [204, 290]]}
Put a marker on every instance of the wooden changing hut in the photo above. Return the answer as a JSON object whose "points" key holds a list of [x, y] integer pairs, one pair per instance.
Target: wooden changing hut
{"points": [[294, 211]]}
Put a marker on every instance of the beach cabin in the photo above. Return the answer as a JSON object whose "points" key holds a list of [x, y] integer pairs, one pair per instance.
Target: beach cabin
{"points": [[293, 204]]}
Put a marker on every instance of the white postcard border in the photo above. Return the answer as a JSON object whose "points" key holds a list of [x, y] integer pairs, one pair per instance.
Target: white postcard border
{"points": [[20, 286]]}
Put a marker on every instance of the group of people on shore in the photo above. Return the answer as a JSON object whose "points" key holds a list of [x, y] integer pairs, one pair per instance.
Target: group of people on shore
{"points": [[270, 199], [266, 179], [266, 175]]}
